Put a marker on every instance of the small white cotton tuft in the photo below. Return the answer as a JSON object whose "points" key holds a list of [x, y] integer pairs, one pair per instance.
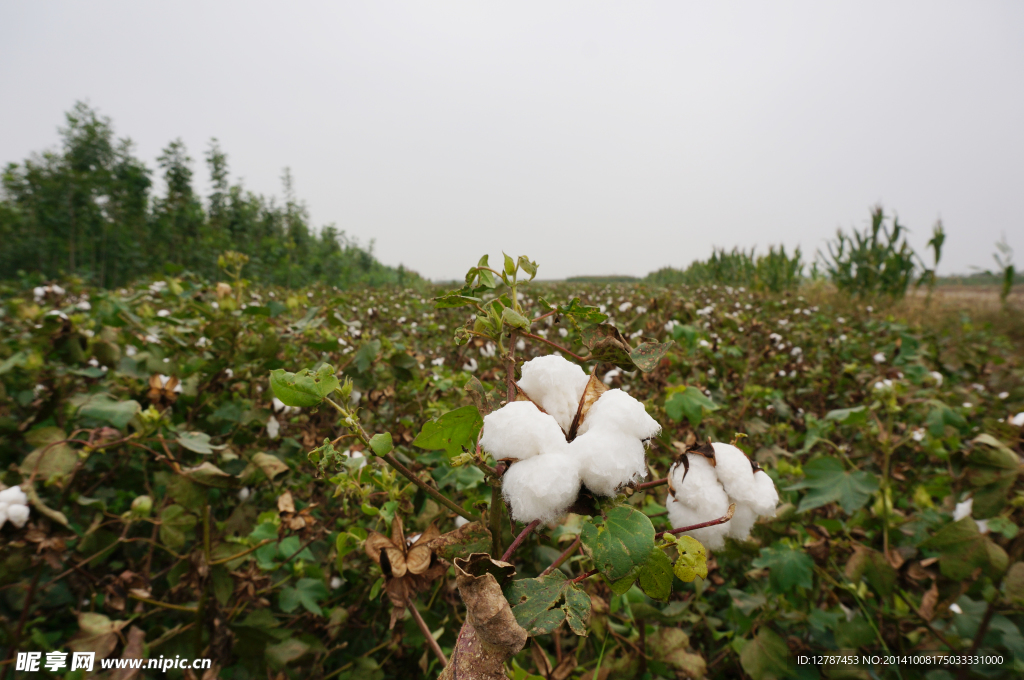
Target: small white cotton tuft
{"points": [[699, 488], [18, 515], [767, 496], [735, 473], [712, 537], [556, 384], [608, 459], [520, 430], [742, 522], [542, 487], [13, 496], [617, 410]]}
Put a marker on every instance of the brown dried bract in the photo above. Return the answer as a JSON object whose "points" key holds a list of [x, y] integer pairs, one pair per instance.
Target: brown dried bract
{"points": [[162, 394], [593, 391], [408, 569]]}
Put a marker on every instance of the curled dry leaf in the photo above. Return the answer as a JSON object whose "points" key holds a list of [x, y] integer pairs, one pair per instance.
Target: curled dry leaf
{"points": [[490, 636]]}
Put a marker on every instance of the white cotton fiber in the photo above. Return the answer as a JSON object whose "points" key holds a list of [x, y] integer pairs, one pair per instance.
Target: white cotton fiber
{"points": [[735, 473], [520, 430], [700, 487], [712, 537], [13, 495], [556, 384], [541, 487], [608, 459], [18, 515], [742, 522], [616, 409], [766, 496]]}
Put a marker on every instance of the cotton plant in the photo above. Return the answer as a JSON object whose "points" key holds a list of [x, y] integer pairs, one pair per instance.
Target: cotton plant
{"points": [[705, 482]]}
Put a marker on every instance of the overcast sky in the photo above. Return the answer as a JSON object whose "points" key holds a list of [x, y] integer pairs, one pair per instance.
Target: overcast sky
{"points": [[595, 137]]}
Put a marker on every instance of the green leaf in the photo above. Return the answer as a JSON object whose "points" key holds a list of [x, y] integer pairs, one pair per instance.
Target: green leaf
{"points": [[607, 344], [511, 317], [344, 544], [49, 460], [105, 408], [828, 482], [304, 389], [647, 355], [510, 265], [307, 592], [470, 538], [209, 474], [452, 431], [541, 604], [619, 541], [690, 403], [366, 355], [577, 313], [528, 266], [286, 652], [963, 548], [766, 657], [271, 465], [692, 560], [941, 416], [655, 576], [872, 566], [198, 442], [789, 567], [381, 444], [1013, 584], [174, 522], [849, 416]]}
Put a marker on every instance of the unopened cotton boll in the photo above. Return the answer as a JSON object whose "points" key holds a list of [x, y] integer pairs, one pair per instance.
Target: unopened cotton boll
{"points": [[556, 384], [735, 473], [608, 459], [542, 487], [520, 430], [617, 410]]}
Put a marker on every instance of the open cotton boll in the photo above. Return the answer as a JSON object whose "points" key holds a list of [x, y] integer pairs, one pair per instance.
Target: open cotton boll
{"points": [[712, 537], [700, 487], [556, 384], [13, 495], [735, 473], [3, 515], [608, 460], [542, 487], [766, 496], [18, 515], [520, 430], [742, 522], [616, 409]]}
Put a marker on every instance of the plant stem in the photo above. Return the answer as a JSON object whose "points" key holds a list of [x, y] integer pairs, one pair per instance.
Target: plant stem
{"points": [[575, 356], [652, 484], [721, 520], [585, 575], [436, 648], [562, 558], [225, 560], [404, 471], [495, 513], [165, 605], [519, 539]]}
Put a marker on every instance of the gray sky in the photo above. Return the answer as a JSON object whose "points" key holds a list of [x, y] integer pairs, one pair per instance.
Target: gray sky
{"points": [[595, 137]]}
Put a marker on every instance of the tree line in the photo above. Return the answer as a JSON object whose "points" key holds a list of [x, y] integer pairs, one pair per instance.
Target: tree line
{"points": [[89, 209]]}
